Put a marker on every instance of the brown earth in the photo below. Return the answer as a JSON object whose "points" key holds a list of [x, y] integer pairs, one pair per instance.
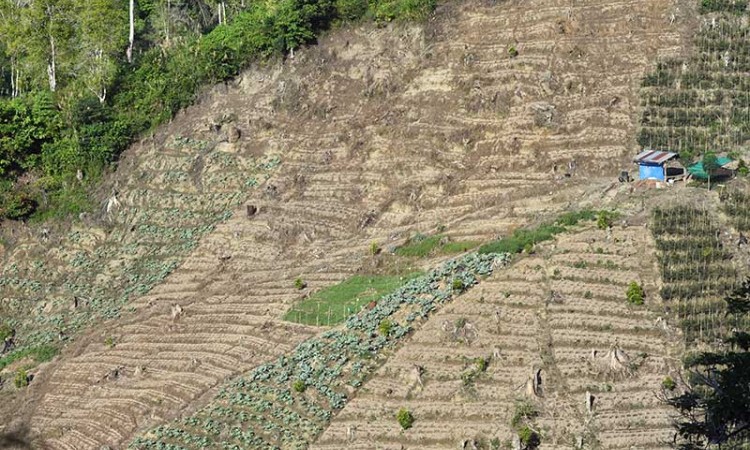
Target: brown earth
{"points": [[381, 132]]}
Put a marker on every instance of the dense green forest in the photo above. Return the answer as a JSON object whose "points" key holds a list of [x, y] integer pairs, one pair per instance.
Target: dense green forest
{"points": [[81, 79]]}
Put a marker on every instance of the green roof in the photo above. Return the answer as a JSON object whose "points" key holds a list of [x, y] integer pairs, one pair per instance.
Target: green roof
{"points": [[697, 171]]}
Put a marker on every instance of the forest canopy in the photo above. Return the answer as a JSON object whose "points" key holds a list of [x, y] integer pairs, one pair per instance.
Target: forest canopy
{"points": [[81, 79]]}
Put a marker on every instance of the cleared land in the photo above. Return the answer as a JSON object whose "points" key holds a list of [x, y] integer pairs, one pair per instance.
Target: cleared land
{"points": [[381, 132]]}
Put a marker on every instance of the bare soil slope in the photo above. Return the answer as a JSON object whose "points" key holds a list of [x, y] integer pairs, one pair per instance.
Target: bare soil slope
{"points": [[379, 131]]}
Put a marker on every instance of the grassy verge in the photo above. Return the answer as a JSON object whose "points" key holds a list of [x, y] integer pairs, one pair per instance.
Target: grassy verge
{"points": [[421, 246], [526, 238], [40, 354], [334, 304]]}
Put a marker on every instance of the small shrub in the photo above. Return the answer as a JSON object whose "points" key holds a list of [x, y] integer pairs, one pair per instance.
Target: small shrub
{"points": [[669, 384], [495, 444], [22, 379], [603, 220], [109, 342], [350, 10], [588, 294], [482, 364], [512, 51], [458, 285], [299, 386], [742, 168], [529, 438], [528, 248], [385, 327], [635, 293], [5, 332], [374, 249], [461, 322], [405, 418], [16, 205], [580, 264], [523, 411], [299, 284]]}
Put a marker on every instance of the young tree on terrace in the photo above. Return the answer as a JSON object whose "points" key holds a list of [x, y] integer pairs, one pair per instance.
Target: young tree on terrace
{"points": [[710, 165], [715, 407]]}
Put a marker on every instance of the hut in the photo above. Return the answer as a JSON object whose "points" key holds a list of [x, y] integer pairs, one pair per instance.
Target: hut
{"points": [[659, 165]]}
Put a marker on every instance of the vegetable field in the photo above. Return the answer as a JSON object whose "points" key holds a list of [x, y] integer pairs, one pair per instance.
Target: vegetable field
{"points": [[287, 403], [702, 103], [697, 270], [736, 204]]}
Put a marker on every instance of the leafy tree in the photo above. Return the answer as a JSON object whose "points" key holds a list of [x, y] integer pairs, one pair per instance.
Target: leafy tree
{"points": [[14, 29], [350, 10], [50, 37], [26, 124], [102, 36]]}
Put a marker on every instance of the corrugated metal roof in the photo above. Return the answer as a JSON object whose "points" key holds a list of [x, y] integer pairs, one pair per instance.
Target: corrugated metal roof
{"points": [[654, 157]]}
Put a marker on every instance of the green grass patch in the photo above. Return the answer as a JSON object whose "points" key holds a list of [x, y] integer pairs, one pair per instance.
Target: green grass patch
{"points": [[39, 354], [520, 238], [334, 304], [421, 246], [527, 238], [458, 247], [573, 218]]}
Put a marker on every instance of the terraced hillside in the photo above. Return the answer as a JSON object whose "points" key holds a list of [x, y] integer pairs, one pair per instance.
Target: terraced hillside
{"points": [[562, 311], [372, 134]]}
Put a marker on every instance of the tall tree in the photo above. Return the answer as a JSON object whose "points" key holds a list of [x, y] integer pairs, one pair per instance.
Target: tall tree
{"points": [[50, 37], [14, 29], [101, 39]]}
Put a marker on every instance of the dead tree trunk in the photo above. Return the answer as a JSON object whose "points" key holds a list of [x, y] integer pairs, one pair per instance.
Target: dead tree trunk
{"points": [[590, 402], [534, 384]]}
